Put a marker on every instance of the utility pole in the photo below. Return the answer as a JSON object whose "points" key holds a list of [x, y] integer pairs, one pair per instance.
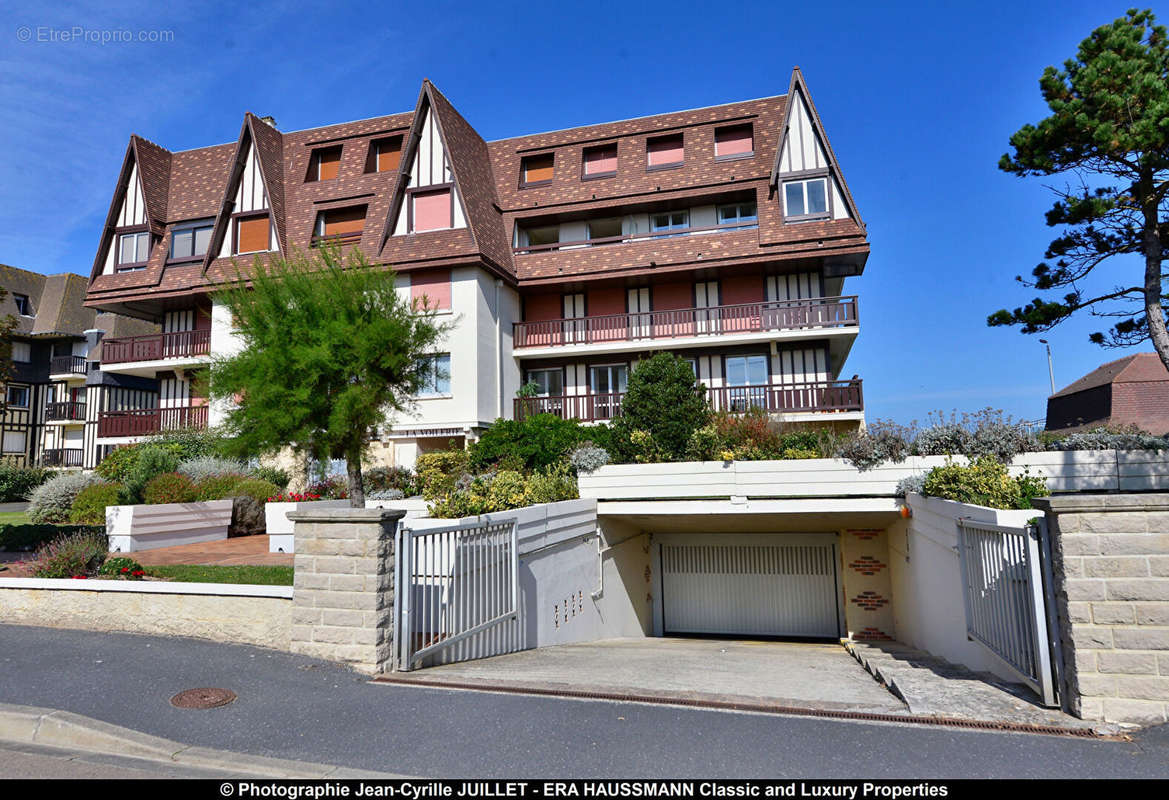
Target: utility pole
{"points": [[1050, 369]]}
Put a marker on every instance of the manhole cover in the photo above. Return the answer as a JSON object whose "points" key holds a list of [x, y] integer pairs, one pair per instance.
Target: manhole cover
{"points": [[202, 698]]}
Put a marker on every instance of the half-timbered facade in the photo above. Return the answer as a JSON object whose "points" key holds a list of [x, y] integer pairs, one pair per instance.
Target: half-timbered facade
{"points": [[723, 234]]}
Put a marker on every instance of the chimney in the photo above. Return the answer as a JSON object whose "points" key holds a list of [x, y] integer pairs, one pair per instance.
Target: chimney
{"points": [[269, 120]]}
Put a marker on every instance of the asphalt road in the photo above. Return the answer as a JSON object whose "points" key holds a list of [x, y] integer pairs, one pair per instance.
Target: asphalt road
{"points": [[300, 708], [34, 762]]}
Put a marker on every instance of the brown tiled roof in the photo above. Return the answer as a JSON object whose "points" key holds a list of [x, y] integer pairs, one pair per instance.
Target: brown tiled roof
{"points": [[1140, 367], [196, 184], [270, 151], [154, 168]]}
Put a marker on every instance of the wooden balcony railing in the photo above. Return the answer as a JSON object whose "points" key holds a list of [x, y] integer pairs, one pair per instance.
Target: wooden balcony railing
{"points": [[772, 315], [67, 365], [67, 411], [339, 239], [825, 396], [156, 347], [143, 421], [672, 233], [62, 457]]}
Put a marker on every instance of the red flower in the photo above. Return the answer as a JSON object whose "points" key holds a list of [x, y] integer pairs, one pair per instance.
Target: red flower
{"points": [[79, 577], [138, 573], [125, 569]]}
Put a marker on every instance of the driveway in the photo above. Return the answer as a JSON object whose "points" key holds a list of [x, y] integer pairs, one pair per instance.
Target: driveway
{"points": [[797, 675]]}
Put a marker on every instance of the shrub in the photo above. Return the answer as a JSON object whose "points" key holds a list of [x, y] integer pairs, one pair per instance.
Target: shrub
{"points": [[588, 458], [274, 475], [884, 441], [503, 490], [53, 499], [1109, 438], [30, 537], [169, 487], [188, 443], [531, 443], [551, 485], [17, 482], [984, 482], [332, 487], [911, 484], [995, 434], [118, 463], [385, 494], [792, 453], [209, 466], [293, 497], [89, 507], [255, 488], [380, 479], [151, 462], [121, 568], [217, 487], [665, 400], [942, 438], [437, 472], [78, 554]]}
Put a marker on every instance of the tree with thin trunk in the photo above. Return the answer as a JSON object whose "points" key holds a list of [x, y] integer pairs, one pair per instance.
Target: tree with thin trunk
{"points": [[1109, 134], [327, 351]]}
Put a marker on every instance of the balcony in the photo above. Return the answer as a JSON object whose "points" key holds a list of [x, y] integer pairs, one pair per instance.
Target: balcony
{"points": [[671, 233], [749, 318], [62, 457], [796, 398], [65, 412], [156, 347], [144, 421], [67, 367]]}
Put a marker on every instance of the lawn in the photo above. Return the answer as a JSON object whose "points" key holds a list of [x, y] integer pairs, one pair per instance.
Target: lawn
{"points": [[14, 518], [209, 573]]}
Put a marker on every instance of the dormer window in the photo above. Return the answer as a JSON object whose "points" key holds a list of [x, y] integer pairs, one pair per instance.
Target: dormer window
{"points": [[431, 210], [733, 141], [324, 164], [537, 170], [23, 306], [385, 155], [342, 225], [805, 199], [189, 240], [599, 161], [133, 250], [252, 234]]}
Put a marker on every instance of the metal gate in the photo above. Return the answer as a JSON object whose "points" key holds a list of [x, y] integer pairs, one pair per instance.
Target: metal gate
{"points": [[457, 593], [1003, 590]]}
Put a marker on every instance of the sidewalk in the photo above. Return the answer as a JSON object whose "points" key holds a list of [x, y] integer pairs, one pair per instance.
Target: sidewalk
{"points": [[297, 708]]}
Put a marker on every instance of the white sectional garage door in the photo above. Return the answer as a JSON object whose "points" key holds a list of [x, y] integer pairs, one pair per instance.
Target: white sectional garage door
{"points": [[750, 585]]}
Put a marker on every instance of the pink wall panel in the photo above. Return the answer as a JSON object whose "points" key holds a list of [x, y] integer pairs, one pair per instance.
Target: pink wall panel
{"points": [[673, 295], [432, 285], [605, 301], [543, 306], [738, 290]]}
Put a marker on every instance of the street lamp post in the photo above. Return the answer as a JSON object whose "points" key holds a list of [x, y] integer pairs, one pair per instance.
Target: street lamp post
{"points": [[1050, 368]]}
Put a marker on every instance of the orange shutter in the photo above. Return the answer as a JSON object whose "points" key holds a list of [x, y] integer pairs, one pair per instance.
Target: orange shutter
{"points": [[538, 168], [389, 154], [252, 234], [328, 163], [344, 220]]}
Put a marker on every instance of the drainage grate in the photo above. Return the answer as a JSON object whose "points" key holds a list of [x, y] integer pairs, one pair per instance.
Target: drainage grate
{"points": [[764, 708], [202, 698]]}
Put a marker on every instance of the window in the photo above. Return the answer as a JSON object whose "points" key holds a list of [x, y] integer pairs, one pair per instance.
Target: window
{"points": [[18, 396], [550, 382], [535, 237], [22, 352], [747, 370], [324, 164], [537, 170], [344, 223], [600, 161], [133, 249], [431, 210], [734, 141], [23, 306], [14, 441], [436, 380], [669, 221], [663, 152], [805, 198], [385, 155], [744, 214], [190, 240], [605, 228], [252, 234]]}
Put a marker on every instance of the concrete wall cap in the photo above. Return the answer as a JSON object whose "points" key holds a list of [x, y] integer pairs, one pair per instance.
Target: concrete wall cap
{"points": [[347, 515], [1103, 503]]}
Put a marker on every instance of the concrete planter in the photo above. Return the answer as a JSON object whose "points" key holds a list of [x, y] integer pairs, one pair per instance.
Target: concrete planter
{"points": [[280, 539], [147, 527]]}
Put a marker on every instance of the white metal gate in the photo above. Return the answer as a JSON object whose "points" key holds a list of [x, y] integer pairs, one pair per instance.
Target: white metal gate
{"points": [[1003, 590], [751, 585], [457, 593]]}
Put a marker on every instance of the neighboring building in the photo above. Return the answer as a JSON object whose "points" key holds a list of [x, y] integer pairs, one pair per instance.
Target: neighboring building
{"points": [[57, 390], [1133, 390], [723, 234]]}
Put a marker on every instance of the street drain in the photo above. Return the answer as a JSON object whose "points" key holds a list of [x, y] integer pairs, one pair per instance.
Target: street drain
{"points": [[202, 698]]}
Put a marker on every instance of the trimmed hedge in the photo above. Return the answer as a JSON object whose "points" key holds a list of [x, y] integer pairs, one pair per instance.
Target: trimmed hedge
{"points": [[31, 536]]}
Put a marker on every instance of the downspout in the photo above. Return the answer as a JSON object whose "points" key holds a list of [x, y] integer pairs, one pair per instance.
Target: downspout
{"points": [[498, 353]]}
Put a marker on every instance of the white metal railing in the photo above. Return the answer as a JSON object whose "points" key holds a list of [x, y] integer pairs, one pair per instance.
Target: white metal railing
{"points": [[1003, 592], [457, 593]]}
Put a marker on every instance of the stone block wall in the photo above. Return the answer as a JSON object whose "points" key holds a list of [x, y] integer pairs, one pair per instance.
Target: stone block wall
{"points": [[343, 603], [1111, 565]]}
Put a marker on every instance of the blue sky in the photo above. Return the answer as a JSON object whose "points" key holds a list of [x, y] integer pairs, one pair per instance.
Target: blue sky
{"points": [[918, 100]]}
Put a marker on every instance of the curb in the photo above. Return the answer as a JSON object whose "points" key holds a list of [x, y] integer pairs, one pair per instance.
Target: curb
{"points": [[64, 729]]}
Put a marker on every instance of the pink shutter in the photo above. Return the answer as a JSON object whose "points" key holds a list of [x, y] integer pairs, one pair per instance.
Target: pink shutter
{"points": [[432, 210], [667, 150], [733, 141], [431, 288], [600, 160]]}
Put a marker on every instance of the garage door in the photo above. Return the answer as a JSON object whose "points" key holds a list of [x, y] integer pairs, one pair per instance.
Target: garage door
{"points": [[750, 585]]}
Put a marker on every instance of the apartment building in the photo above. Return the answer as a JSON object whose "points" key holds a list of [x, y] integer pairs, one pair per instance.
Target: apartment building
{"points": [[57, 390], [723, 234]]}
